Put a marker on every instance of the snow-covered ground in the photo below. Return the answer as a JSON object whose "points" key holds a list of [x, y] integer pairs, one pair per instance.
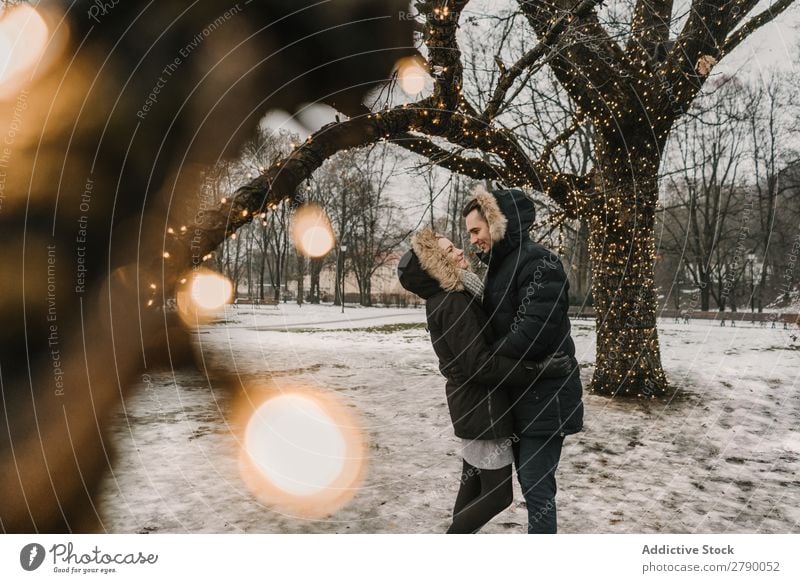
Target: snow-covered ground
{"points": [[724, 457]]}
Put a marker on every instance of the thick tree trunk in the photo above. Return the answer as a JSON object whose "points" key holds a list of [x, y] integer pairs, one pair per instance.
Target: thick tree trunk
{"points": [[621, 245]]}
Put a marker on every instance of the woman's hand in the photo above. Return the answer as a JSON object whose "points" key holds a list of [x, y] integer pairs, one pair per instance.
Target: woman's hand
{"points": [[556, 365]]}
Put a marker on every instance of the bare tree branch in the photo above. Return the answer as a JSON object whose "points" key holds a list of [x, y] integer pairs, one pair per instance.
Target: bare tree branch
{"points": [[753, 24], [560, 139], [547, 42], [472, 167], [703, 36]]}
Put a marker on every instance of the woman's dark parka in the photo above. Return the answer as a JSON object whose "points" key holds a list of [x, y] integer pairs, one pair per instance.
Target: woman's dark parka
{"points": [[477, 382]]}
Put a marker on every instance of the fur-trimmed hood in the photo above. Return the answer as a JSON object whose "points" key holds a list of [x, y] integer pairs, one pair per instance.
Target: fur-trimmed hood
{"points": [[433, 260], [510, 215], [425, 270], [490, 210]]}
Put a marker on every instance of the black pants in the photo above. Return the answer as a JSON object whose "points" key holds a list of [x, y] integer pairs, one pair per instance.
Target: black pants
{"points": [[537, 460], [483, 495]]}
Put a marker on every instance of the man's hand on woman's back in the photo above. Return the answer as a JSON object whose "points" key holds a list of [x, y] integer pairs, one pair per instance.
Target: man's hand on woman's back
{"points": [[556, 365]]}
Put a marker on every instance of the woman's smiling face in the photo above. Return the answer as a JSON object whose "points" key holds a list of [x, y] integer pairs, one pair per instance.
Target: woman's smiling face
{"points": [[453, 253]]}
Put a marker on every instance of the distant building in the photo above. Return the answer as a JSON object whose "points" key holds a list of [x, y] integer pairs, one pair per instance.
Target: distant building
{"points": [[386, 288]]}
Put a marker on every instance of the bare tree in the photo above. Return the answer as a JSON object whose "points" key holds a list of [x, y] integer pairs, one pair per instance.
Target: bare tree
{"points": [[376, 229], [270, 232], [432, 190], [706, 214], [785, 241], [457, 196], [769, 119], [342, 209], [323, 190]]}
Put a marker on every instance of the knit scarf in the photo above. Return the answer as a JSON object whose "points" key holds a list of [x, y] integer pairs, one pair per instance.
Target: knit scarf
{"points": [[472, 283]]}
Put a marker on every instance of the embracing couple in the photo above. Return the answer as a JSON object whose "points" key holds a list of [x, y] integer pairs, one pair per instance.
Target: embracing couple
{"points": [[513, 386]]}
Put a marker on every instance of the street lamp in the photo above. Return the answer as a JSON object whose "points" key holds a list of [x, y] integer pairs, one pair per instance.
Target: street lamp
{"points": [[343, 250], [751, 257]]}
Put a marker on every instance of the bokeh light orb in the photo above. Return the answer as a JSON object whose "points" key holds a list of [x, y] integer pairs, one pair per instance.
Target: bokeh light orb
{"points": [[311, 231], [317, 241], [303, 452], [201, 296], [23, 38], [411, 75], [294, 442], [210, 291]]}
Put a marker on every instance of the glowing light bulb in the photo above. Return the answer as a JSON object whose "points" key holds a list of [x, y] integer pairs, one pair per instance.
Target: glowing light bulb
{"points": [[311, 231], [411, 75]]}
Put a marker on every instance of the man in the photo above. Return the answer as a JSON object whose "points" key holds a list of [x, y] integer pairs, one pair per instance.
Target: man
{"points": [[527, 299]]}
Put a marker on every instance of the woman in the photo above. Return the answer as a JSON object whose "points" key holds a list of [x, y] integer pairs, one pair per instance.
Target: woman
{"points": [[477, 380]]}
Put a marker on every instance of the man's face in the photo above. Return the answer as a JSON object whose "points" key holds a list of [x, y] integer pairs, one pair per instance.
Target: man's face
{"points": [[478, 231]]}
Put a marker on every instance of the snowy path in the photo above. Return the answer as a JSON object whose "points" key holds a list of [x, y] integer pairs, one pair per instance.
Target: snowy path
{"points": [[723, 458]]}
